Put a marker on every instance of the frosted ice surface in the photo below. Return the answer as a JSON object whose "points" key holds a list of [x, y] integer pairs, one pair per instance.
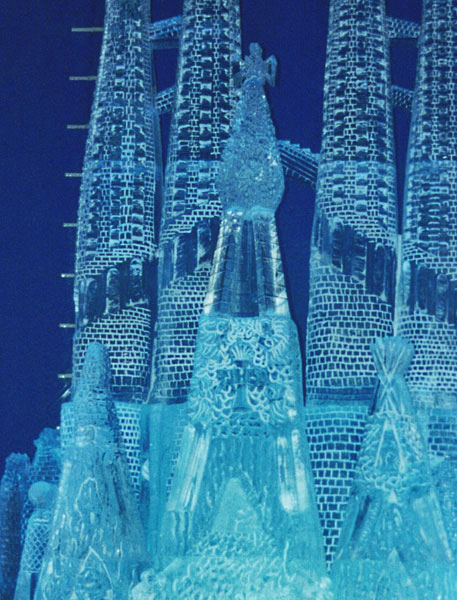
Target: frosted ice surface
{"points": [[96, 539], [13, 488], [241, 520], [393, 544], [41, 494]]}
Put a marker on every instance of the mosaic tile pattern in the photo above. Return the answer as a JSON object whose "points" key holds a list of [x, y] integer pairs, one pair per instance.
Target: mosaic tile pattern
{"points": [[117, 224], [427, 290], [428, 285], [352, 262], [205, 97]]}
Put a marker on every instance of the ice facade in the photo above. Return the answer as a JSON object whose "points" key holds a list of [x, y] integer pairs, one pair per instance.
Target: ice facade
{"points": [[241, 519], [117, 219], [352, 266], [210, 50], [209, 55], [186, 464], [117, 229], [96, 537]]}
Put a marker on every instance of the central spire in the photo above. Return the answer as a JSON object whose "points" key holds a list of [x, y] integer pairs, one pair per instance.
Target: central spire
{"points": [[241, 517], [247, 277]]}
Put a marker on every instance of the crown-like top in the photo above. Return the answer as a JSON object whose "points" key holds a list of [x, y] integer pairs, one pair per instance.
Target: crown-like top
{"points": [[250, 174]]}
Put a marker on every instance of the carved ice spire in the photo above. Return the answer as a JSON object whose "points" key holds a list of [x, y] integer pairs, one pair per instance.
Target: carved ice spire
{"points": [[247, 277], [117, 216], [393, 543], [96, 539], [241, 519]]}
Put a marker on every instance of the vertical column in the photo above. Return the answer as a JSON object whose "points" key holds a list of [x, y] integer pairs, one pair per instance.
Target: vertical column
{"points": [[206, 94], [209, 54], [427, 290], [116, 246], [352, 255]]}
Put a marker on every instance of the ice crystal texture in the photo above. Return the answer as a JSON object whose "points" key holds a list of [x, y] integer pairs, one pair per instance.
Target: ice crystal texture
{"points": [[393, 543], [241, 519], [13, 489], [96, 538]]}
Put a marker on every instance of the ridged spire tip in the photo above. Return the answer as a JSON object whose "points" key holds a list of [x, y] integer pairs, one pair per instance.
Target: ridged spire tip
{"points": [[251, 174]]}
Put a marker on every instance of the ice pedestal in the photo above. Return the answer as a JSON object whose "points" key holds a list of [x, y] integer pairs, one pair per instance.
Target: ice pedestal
{"points": [[393, 544]]}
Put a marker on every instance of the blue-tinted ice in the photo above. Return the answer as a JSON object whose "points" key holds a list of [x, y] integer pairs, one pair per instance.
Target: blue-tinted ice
{"points": [[241, 519], [96, 540], [13, 490], [393, 543]]}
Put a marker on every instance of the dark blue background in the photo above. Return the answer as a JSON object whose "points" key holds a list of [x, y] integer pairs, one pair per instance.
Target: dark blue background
{"points": [[38, 54]]}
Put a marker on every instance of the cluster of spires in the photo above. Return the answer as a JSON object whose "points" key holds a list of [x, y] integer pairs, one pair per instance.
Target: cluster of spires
{"points": [[204, 475]]}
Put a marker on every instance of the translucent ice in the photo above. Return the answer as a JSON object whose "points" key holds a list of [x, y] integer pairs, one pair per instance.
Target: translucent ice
{"points": [[393, 544], [241, 520], [41, 495], [13, 489], [96, 539]]}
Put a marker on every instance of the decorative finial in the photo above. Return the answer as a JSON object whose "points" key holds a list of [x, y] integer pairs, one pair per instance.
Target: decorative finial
{"points": [[254, 66], [250, 173]]}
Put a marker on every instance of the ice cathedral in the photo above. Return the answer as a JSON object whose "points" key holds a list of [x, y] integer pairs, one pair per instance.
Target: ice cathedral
{"points": [[192, 462]]}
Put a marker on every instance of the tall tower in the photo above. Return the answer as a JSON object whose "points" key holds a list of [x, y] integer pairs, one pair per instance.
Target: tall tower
{"points": [[352, 253], [241, 520], [427, 290], [116, 242], [205, 97]]}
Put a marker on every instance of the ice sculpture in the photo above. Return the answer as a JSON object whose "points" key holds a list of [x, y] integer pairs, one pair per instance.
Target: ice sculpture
{"points": [[46, 466], [209, 54], [13, 489], [120, 191], [427, 290], [41, 494], [393, 544], [210, 51], [352, 265], [96, 539], [241, 519]]}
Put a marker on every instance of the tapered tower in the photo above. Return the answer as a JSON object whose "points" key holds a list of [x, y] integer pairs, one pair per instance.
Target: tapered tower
{"points": [[241, 519], [427, 290], [116, 243], [393, 543], [352, 254], [205, 97]]}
